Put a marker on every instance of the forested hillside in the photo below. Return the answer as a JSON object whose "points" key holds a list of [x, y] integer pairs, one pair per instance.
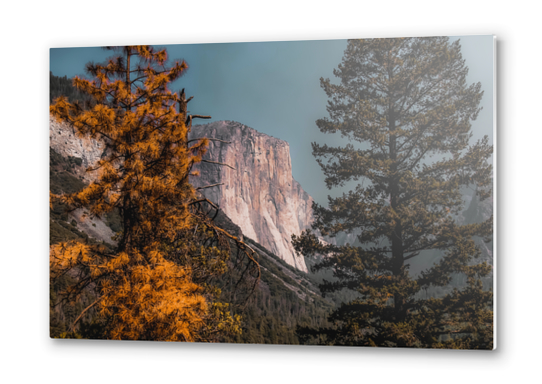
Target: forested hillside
{"points": [[62, 86]]}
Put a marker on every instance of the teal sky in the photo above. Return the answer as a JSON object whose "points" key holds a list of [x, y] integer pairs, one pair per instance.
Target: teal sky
{"points": [[274, 88]]}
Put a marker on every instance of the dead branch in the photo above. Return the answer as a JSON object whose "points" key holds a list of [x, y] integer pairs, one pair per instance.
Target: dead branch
{"points": [[200, 138], [189, 118], [72, 328], [243, 250], [209, 186], [216, 162], [239, 242], [204, 200]]}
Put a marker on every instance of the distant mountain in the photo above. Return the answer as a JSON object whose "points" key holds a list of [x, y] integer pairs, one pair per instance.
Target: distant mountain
{"points": [[260, 194]]}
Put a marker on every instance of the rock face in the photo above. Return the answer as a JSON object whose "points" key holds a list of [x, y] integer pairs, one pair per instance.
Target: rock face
{"points": [[260, 195], [86, 152], [63, 140]]}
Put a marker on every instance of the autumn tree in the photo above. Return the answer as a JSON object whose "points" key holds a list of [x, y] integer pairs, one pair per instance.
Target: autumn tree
{"points": [[406, 108], [155, 283]]}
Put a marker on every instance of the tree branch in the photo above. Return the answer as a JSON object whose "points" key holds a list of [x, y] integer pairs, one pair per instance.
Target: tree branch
{"points": [[216, 162], [199, 138], [82, 313], [204, 200], [209, 186]]}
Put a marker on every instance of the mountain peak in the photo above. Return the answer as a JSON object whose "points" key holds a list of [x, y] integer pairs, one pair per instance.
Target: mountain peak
{"points": [[260, 195]]}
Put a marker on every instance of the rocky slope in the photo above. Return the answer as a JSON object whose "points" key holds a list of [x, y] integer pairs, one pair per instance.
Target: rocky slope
{"points": [[63, 140], [259, 195], [81, 153]]}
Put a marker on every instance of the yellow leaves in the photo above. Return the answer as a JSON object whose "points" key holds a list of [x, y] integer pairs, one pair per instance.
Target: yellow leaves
{"points": [[385, 277], [155, 257], [118, 262], [156, 302], [144, 291], [148, 53], [66, 256], [52, 198]]}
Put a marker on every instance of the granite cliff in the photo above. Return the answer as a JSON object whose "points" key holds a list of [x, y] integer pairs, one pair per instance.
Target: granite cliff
{"points": [[82, 153], [260, 195], [64, 141]]}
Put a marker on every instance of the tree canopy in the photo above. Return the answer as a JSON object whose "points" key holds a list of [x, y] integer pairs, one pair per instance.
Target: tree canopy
{"points": [[406, 108], [155, 282]]}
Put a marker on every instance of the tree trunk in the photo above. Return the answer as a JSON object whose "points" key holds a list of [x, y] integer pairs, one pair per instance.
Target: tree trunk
{"points": [[396, 236]]}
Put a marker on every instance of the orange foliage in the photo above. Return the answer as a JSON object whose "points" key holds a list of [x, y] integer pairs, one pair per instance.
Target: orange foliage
{"points": [[142, 290]]}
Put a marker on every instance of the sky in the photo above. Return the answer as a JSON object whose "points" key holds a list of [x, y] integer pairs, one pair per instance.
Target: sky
{"points": [[274, 87]]}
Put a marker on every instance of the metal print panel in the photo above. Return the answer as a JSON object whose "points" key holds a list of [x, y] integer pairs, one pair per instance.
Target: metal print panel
{"points": [[313, 192]]}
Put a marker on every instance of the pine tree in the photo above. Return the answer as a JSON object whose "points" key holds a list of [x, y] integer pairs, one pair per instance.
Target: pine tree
{"points": [[406, 109], [155, 284]]}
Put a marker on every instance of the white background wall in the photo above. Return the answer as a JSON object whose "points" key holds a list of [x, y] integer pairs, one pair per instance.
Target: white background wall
{"points": [[29, 30]]}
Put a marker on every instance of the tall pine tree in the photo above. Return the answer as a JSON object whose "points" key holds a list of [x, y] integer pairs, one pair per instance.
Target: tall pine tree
{"points": [[406, 108]]}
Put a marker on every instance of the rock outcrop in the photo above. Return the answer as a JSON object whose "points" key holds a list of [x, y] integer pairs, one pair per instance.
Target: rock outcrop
{"points": [[260, 195], [63, 140], [84, 152]]}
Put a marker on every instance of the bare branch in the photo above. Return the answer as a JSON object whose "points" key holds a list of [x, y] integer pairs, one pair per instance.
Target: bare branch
{"points": [[209, 186], [199, 138], [189, 118], [82, 313], [204, 200], [216, 162]]}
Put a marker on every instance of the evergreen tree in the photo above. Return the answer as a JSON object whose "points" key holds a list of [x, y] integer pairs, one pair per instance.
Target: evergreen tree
{"points": [[406, 109], [62, 86], [156, 282]]}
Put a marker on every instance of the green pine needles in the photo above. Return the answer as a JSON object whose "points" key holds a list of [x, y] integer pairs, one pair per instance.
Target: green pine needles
{"points": [[406, 108]]}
